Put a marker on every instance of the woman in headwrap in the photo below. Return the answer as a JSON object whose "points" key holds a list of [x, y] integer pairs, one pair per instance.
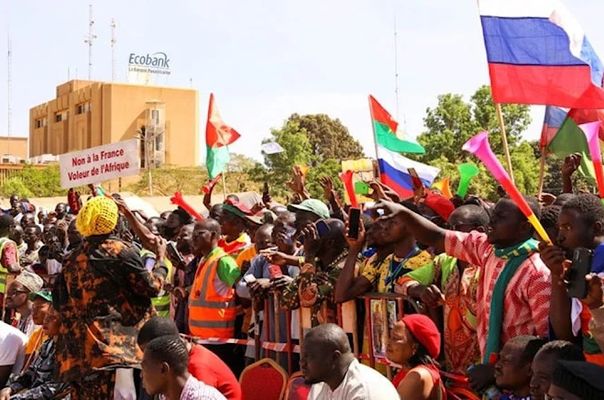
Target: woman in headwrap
{"points": [[104, 296], [414, 345]]}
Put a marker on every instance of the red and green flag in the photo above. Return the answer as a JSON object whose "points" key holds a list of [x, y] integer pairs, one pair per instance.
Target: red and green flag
{"points": [[218, 136], [384, 129], [570, 139]]}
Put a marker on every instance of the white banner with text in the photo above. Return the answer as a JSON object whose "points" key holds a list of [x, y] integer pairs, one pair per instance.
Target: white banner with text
{"points": [[99, 164]]}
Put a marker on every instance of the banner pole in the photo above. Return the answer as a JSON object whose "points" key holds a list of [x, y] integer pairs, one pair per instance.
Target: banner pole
{"points": [[224, 189], [506, 149], [541, 173]]}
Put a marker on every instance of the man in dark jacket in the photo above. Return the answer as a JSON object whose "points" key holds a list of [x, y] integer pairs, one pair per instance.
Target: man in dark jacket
{"points": [[104, 297]]}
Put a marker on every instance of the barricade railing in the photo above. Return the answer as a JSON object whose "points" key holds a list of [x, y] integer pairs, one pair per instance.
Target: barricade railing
{"points": [[382, 310]]}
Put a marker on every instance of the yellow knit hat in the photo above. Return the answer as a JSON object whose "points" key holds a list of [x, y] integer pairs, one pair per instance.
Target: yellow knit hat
{"points": [[97, 217]]}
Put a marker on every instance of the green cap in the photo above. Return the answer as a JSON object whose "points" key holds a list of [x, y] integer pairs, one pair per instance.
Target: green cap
{"points": [[314, 206], [256, 219], [44, 294]]}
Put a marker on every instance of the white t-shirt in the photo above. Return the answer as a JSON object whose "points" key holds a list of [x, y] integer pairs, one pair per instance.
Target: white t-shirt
{"points": [[12, 347], [359, 383]]}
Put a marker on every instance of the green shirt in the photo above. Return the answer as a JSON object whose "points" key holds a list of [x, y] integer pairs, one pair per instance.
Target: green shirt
{"points": [[228, 271]]}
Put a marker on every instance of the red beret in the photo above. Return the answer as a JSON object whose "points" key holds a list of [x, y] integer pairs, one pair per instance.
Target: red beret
{"points": [[425, 332], [439, 204]]}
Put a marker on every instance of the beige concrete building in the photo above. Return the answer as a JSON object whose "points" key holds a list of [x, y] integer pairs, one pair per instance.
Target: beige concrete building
{"points": [[86, 114], [13, 149]]}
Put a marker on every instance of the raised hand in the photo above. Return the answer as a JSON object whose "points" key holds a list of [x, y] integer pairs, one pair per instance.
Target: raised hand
{"points": [[328, 190]]}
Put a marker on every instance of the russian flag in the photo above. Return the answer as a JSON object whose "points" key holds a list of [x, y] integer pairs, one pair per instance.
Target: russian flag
{"points": [[393, 166], [394, 172], [538, 54], [554, 117]]}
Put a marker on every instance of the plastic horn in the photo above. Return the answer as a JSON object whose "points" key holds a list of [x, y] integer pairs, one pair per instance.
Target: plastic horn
{"points": [[467, 171], [178, 200], [479, 146], [591, 131], [443, 187]]}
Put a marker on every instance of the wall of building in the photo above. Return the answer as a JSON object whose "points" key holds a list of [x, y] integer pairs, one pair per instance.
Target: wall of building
{"points": [[87, 114], [14, 146]]}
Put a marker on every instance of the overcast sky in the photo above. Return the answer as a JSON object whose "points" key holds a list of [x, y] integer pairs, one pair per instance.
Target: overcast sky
{"points": [[264, 59]]}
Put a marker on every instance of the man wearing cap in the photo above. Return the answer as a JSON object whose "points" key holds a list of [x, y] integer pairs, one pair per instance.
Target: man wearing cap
{"points": [[308, 212], [17, 299], [9, 258], [42, 301], [103, 296], [324, 258], [577, 380], [235, 223]]}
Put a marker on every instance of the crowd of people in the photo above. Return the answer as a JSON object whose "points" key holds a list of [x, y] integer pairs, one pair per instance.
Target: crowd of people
{"points": [[100, 301]]}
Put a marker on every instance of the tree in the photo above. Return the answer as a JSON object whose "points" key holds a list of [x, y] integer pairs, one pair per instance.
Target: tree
{"points": [[453, 121], [240, 163], [314, 141], [33, 181], [328, 138]]}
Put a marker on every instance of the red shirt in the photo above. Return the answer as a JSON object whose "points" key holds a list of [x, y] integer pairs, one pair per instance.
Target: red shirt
{"points": [[527, 296], [211, 370]]}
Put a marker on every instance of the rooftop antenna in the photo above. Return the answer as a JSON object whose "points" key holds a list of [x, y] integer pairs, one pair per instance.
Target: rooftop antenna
{"points": [[396, 66], [113, 42], [89, 39], [396, 75], [9, 79]]}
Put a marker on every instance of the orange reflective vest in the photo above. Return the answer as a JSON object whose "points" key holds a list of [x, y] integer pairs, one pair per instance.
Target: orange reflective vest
{"points": [[211, 314]]}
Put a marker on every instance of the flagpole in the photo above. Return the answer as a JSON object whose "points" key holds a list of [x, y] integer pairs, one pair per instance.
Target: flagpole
{"points": [[541, 173], [223, 178], [377, 162], [224, 190], [506, 149]]}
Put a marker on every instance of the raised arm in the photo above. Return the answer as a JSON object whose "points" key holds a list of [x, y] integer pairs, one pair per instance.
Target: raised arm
{"points": [[425, 231], [348, 286]]}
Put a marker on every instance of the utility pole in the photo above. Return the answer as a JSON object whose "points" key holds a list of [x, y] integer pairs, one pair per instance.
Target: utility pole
{"points": [[89, 40], [113, 42], [9, 84]]}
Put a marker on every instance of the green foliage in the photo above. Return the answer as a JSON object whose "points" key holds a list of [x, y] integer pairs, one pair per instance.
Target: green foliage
{"points": [[34, 181], [328, 138], [315, 141], [16, 186], [553, 177], [167, 180], [331, 168], [453, 121]]}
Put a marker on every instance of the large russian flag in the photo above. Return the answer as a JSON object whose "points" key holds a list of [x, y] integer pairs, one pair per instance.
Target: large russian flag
{"points": [[393, 166], [538, 54]]}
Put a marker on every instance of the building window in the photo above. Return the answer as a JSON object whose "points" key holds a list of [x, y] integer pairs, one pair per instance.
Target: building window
{"points": [[61, 115], [40, 122], [83, 108], [155, 116]]}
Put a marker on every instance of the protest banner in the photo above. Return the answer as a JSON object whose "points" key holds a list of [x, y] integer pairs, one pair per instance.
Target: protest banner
{"points": [[99, 164]]}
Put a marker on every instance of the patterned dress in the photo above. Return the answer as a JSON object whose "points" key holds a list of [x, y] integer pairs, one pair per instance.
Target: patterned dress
{"points": [[104, 297]]}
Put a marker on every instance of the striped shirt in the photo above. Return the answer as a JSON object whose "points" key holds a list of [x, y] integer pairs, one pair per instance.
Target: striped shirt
{"points": [[527, 297], [196, 390]]}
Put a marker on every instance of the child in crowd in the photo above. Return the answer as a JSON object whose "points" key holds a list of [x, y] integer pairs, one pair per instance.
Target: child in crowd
{"points": [[513, 368]]}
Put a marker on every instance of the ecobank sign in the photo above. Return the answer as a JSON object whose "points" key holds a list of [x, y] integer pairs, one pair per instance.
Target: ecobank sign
{"points": [[156, 63]]}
